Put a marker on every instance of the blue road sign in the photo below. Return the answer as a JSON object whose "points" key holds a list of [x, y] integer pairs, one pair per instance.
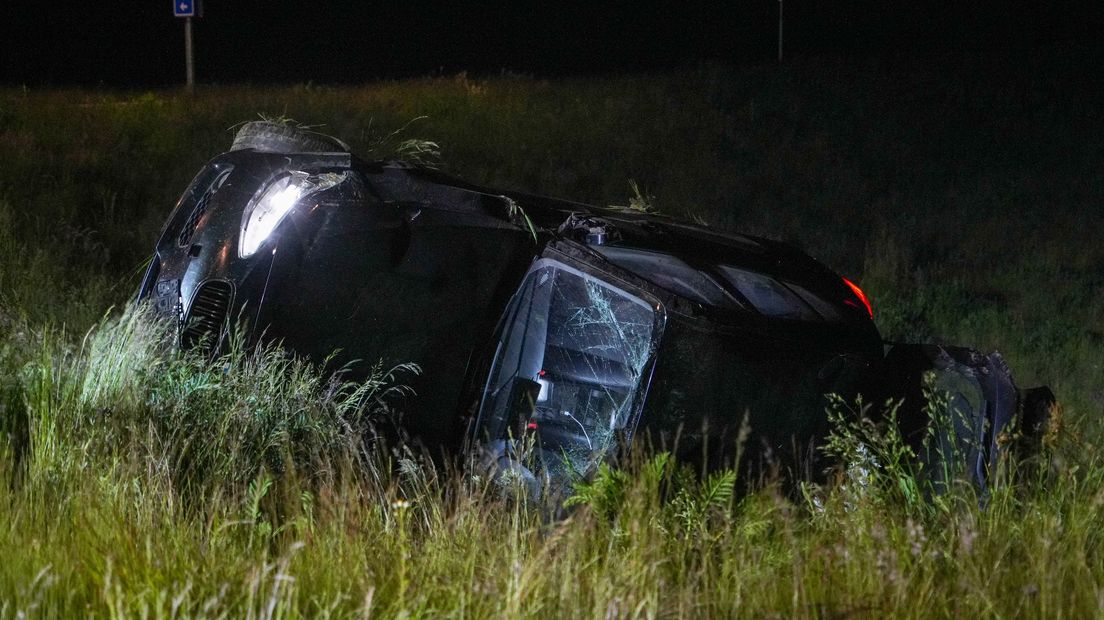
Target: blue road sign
{"points": [[184, 8]]}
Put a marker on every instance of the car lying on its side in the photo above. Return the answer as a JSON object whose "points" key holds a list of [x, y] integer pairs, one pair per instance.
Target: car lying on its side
{"points": [[563, 327]]}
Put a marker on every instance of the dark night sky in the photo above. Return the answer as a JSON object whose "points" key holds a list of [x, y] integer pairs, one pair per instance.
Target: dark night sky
{"points": [[139, 43]]}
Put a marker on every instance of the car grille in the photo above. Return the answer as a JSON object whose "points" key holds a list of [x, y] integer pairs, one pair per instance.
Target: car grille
{"points": [[207, 316], [200, 208]]}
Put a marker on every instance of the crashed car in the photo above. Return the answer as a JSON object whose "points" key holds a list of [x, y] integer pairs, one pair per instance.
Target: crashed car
{"points": [[550, 333]]}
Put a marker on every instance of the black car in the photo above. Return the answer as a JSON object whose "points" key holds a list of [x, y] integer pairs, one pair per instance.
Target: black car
{"points": [[563, 327]]}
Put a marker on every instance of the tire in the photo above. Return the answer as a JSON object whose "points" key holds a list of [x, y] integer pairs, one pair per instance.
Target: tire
{"points": [[270, 137], [985, 414]]}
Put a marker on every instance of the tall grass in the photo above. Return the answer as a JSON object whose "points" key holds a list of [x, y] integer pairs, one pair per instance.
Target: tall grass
{"points": [[243, 486]]}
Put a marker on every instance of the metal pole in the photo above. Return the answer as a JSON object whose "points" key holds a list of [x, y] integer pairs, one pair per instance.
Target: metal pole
{"points": [[189, 63], [779, 31]]}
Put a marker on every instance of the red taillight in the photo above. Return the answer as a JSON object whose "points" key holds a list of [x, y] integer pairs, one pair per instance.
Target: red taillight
{"points": [[860, 295]]}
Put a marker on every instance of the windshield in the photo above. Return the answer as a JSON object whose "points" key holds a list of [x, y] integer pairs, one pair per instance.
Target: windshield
{"points": [[568, 372]]}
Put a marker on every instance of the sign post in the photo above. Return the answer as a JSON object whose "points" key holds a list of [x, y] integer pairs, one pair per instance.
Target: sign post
{"points": [[779, 31], [186, 9]]}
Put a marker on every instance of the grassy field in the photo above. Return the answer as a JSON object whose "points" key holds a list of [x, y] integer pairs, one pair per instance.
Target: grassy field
{"points": [[966, 198]]}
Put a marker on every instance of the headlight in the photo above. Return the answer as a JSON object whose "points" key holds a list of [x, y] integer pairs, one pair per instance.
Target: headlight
{"points": [[265, 213]]}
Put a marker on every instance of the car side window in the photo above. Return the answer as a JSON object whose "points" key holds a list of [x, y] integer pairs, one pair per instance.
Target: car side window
{"points": [[671, 273], [769, 296]]}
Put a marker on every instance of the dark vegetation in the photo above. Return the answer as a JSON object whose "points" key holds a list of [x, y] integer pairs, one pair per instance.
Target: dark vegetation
{"points": [[964, 196]]}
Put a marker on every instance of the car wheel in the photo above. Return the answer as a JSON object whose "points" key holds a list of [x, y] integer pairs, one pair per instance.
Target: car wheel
{"points": [[981, 414], [273, 137]]}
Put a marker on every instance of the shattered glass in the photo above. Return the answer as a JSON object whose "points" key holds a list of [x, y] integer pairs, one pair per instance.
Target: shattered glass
{"points": [[568, 373]]}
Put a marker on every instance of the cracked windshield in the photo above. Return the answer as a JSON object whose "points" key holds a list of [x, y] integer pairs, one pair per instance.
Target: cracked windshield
{"points": [[567, 374]]}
